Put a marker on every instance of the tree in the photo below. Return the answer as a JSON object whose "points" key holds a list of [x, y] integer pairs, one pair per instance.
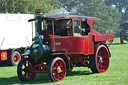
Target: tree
{"points": [[28, 6], [122, 6], [96, 8]]}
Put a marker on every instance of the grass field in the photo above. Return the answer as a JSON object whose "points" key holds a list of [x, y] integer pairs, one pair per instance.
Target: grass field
{"points": [[117, 73]]}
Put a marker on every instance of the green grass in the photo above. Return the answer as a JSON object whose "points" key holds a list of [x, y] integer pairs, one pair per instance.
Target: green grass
{"points": [[117, 73]]}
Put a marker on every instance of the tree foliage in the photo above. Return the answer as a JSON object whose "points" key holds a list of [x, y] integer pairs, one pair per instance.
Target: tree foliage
{"points": [[96, 8], [28, 6], [122, 6]]}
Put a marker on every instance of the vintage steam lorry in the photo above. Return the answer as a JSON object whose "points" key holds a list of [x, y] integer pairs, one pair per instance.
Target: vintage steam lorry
{"points": [[124, 32], [62, 42]]}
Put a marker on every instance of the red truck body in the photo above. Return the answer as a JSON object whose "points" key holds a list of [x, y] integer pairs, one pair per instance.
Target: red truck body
{"points": [[85, 47]]}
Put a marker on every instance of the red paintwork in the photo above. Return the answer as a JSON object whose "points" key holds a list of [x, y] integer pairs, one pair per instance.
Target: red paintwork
{"points": [[58, 75], [102, 37], [102, 62], [79, 59], [27, 69], [16, 58], [74, 50], [76, 46]]}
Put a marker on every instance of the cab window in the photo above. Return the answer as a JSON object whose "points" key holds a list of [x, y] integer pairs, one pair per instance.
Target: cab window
{"points": [[63, 27], [76, 27], [85, 28]]}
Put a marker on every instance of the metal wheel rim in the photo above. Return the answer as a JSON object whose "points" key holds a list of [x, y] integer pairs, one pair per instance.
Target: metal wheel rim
{"points": [[58, 70], [16, 58], [102, 59], [26, 69]]}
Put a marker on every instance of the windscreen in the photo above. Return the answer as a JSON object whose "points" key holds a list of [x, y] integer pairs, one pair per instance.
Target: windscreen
{"points": [[60, 26]]}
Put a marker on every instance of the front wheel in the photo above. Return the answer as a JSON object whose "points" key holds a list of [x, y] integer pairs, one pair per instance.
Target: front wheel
{"points": [[99, 62], [24, 69], [57, 69]]}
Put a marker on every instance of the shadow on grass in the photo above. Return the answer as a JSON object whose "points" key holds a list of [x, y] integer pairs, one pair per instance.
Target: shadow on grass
{"points": [[39, 78], [74, 73]]}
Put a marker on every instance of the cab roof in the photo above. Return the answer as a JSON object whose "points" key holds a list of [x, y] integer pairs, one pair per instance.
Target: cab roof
{"points": [[59, 17]]}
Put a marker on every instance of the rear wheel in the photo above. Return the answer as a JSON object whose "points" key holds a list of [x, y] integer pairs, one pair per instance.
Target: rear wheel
{"points": [[57, 69], [15, 58], [24, 69], [99, 62]]}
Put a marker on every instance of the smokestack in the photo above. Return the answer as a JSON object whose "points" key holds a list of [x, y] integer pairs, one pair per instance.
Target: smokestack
{"points": [[39, 15]]}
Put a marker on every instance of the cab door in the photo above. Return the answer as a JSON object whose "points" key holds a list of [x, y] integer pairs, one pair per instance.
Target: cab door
{"points": [[77, 39], [71, 44], [87, 36]]}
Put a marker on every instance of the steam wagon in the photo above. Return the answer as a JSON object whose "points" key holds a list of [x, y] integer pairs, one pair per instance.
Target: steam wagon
{"points": [[124, 32], [62, 42]]}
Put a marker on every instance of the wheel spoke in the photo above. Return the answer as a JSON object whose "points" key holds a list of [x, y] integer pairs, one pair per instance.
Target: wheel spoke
{"points": [[100, 52], [105, 64], [22, 70], [56, 63], [61, 73], [101, 60], [60, 64], [29, 65], [26, 67], [58, 76], [98, 64], [25, 75], [58, 69], [54, 75], [100, 67], [54, 68], [104, 67], [29, 76], [24, 63]]}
